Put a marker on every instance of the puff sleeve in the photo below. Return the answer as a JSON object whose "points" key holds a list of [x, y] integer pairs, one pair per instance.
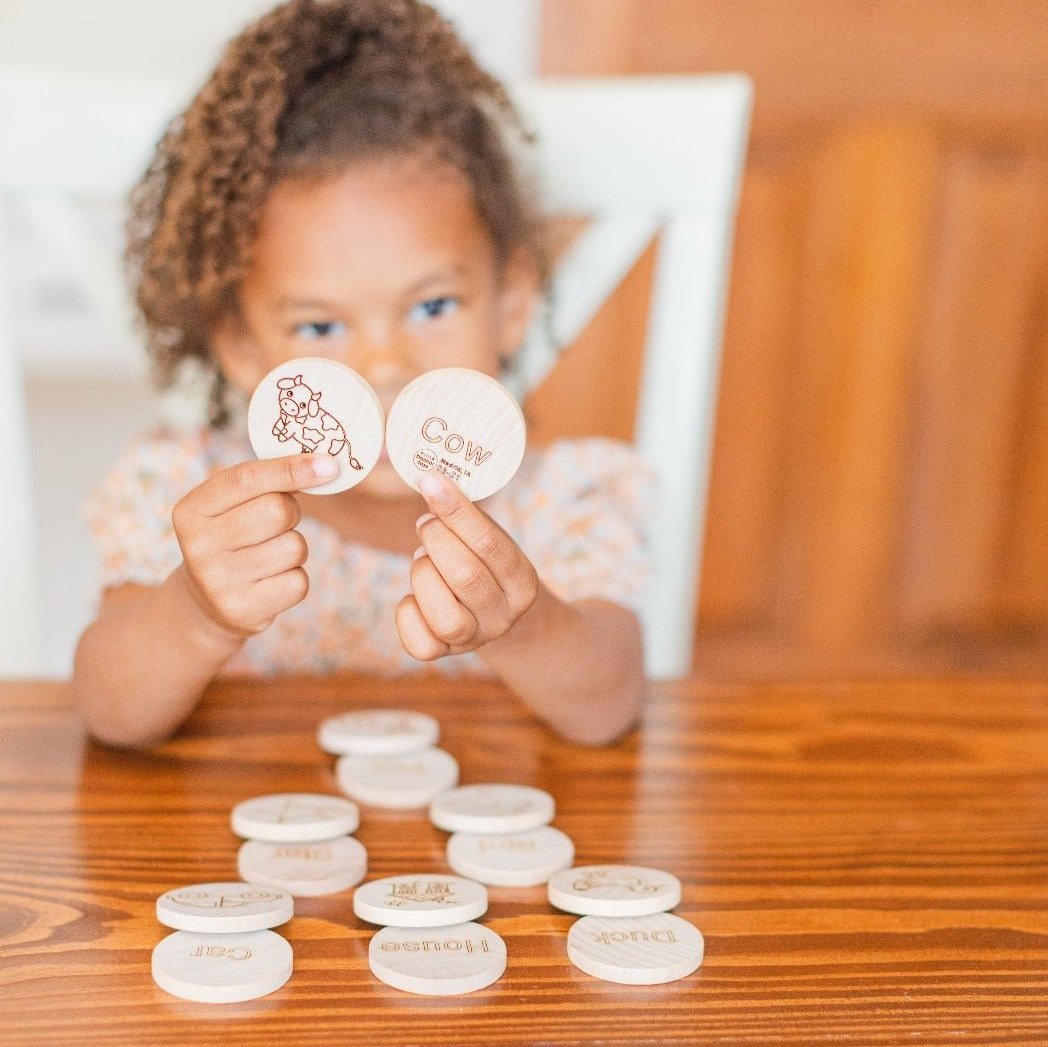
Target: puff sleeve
{"points": [[583, 520], [129, 513]]}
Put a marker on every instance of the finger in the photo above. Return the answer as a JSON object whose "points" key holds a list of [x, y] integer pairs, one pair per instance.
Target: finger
{"points": [[256, 521], [467, 578], [489, 542], [273, 557], [273, 596], [240, 483], [448, 620], [415, 635], [251, 607]]}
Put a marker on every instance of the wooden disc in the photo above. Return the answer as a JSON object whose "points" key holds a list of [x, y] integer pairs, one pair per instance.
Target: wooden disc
{"points": [[224, 908], [378, 731], [492, 809], [304, 869], [441, 961], [512, 859], [635, 950], [222, 968], [458, 422], [294, 817], [614, 890], [401, 782], [315, 406], [420, 900]]}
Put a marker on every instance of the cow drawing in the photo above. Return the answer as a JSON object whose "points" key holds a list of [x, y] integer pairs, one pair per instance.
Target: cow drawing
{"points": [[595, 878], [303, 420]]}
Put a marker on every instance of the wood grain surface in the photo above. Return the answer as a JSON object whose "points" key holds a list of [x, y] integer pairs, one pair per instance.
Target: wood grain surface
{"points": [[867, 862]]}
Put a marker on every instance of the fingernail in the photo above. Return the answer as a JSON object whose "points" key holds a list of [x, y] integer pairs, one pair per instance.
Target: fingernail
{"points": [[422, 519], [433, 486], [324, 468], [419, 552]]}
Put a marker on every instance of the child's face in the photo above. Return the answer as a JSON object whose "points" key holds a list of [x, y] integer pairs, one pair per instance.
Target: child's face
{"points": [[386, 267]]}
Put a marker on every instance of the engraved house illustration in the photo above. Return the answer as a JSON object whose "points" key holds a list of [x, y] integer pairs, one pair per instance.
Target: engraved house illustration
{"points": [[303, 420]]}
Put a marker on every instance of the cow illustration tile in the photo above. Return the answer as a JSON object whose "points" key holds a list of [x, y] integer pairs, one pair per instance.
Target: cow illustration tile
{"points": [[315, 406]]}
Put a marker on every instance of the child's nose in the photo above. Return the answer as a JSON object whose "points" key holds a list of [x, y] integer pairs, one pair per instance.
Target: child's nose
{"points": [[383, 363]]}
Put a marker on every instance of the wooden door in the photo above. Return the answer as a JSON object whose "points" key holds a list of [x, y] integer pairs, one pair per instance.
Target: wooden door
{"points": [[879, 498]]}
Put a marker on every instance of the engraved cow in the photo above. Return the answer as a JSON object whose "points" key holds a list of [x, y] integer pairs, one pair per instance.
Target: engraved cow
{"points": [[303, 420]]}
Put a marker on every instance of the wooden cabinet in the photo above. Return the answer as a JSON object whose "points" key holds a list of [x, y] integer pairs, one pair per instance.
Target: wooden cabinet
{"points": [[879, 498]]}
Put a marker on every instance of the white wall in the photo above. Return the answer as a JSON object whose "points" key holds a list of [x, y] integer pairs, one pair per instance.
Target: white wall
{"points": [[78, 423], [183, 38], [504, 34], [74, 437]]}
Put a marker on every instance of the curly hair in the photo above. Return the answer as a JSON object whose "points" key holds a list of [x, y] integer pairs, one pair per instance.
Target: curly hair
{"points": [[307, 89]]}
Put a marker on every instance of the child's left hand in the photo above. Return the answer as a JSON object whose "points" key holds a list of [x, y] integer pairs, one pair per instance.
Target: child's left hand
{"points": [[470, 581]]}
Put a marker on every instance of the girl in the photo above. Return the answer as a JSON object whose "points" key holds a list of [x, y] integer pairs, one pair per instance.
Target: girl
{"points": [[343, 185]]}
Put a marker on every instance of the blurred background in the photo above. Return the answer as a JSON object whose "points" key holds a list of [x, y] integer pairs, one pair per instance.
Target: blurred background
{"points": [[879, 493]]}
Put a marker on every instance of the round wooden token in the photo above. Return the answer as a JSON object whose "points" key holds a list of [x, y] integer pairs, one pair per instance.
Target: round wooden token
{"points": [[378, 731], [492, 809], [304, 869], [635, 950], [401, 782], [221, 968], [316, 406], [614, 890], [512, 859], [420, 900], [441, 961], [224, 908], [458, 422], [294, 817]]}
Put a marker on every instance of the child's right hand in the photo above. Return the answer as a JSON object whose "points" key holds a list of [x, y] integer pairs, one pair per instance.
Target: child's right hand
{"points": [[242, 555]]}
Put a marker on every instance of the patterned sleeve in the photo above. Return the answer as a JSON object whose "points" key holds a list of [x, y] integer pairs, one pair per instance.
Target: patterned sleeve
{"points": [[129, 513], [584, 520]]}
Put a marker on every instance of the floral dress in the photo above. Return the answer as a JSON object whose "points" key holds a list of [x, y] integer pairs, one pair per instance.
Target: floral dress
{"points": [[577, 508]]}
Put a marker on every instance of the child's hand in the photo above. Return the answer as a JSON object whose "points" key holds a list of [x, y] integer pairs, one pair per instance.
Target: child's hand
{"points": [[472, 584], [243, 557]]}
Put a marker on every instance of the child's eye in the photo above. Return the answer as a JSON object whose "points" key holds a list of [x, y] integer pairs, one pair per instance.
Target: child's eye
{"points": [[316, 329], [432, 308]]}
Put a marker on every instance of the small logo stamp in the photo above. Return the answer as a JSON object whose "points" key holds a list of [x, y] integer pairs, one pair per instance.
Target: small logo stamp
{"points": [[424, 459]]}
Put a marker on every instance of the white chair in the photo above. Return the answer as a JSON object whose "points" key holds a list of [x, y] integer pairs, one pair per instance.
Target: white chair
{"points": [[659, 156], [645, 157]]}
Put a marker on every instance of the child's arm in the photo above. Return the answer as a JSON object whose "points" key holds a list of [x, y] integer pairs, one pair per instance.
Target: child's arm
{"points": [[143, 664], [579, 666]]}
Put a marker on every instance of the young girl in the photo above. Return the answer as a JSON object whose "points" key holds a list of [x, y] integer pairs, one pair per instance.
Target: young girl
{"points": [[344, 186]]}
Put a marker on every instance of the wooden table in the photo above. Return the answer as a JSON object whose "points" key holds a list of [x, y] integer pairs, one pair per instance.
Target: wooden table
{"points": [[869, 863]]}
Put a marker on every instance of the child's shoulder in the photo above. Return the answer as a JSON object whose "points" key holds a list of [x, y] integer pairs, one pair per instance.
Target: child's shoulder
{"points": [[166, 463], [579, 485], [163, 446], [581, 509], [569, 469]]}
